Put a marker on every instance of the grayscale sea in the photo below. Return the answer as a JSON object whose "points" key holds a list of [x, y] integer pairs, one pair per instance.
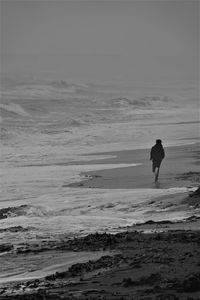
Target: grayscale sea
{"points": [[49, 126]]}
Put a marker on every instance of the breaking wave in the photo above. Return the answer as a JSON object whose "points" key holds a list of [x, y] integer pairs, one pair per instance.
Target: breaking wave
{"points": [[13, 108], [44, 91], [23, 210], [30, 211], [140, 102]]}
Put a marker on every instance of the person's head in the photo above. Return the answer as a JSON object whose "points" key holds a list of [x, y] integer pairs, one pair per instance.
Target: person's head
{"points": [[158, 142]]}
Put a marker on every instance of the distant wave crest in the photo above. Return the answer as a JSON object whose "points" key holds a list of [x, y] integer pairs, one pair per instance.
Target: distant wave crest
{"points": [[14, 108], [141, 102], [45, 91]]}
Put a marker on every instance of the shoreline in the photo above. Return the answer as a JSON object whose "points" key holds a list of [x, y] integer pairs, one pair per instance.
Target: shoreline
{"points": [[164, 264], [153, 260], [179, 160]]}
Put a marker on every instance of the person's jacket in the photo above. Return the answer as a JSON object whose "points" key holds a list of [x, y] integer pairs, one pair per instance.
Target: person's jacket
{"points": [[157, 153]]}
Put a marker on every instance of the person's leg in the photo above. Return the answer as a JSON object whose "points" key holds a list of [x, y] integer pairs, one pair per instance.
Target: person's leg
{"points": [[157, 173], [153, 166]]}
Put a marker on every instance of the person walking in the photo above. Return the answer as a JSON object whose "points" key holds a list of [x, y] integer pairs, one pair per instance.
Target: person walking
{"points": [[157, 154]]}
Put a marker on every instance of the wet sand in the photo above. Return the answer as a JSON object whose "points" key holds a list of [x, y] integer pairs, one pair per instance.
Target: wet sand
{"points": [[163, 264], [174, 172], [154, 260]]}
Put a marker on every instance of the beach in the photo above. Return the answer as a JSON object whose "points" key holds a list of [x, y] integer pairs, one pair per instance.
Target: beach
{"points": [[88, 89], [179, 160], [76, 176], [81, 216], [153, 255], [161, 264]]}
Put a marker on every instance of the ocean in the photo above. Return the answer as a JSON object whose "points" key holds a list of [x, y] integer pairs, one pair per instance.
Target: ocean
{"points": [[48, 128]]}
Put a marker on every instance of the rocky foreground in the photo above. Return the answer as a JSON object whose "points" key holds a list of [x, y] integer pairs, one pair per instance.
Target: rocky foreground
{"points": [[163, 265]]}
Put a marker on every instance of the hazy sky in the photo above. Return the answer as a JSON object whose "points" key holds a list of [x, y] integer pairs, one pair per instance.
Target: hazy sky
{"points": [[123, 40]]}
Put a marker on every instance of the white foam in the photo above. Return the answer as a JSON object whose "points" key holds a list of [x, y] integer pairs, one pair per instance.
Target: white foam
{"points": [[55, 209], [75, 211], [15, 108]]}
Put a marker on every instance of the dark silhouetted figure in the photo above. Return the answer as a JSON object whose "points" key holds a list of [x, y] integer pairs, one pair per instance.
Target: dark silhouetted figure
{"points": [[157, 155]]}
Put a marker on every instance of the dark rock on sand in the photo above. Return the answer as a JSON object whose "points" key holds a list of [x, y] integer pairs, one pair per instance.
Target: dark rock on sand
{"points": [[191, 283], [195, 193], [34, 296], [12, 211], [167, 297], [16, 229], [91, 242], [6, 247], [151, 222], [179, 236], [193, 199], [192, 219], [154, 266], [97, 241], [80, 268], [145, 280]]}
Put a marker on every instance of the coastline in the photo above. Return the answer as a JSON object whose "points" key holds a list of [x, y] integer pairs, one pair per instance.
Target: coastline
{"points": [[179, 161], [152, 260], [162, 265]]}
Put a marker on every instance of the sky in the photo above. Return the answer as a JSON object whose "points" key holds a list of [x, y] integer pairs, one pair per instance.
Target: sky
{"points": [[106, 40]]}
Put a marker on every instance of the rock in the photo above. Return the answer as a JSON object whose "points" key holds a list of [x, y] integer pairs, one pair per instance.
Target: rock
{"points": [[145, 280], [6, 247], [195, 193], [166, 297], [191, 283], [16, 229]]}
